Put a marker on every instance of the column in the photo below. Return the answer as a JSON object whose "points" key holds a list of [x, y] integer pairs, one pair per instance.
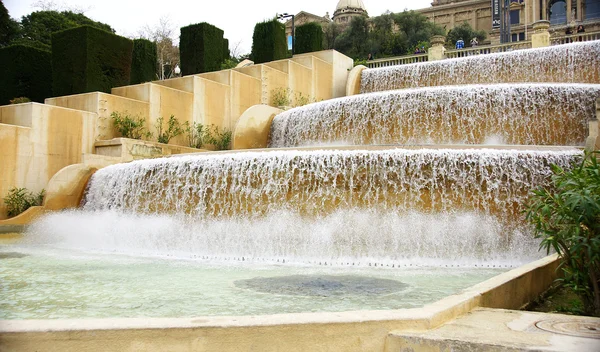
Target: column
{"points": [[544, 10], [579, 11], [569, 11]]}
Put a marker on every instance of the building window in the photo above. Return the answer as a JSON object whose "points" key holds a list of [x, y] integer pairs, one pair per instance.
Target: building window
{"points": [[558, 12], [592, 9], [514, 16]]}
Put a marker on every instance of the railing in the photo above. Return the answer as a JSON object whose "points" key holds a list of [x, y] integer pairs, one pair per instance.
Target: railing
{"points": [[400, 60], [577, 37], [487, 49]]}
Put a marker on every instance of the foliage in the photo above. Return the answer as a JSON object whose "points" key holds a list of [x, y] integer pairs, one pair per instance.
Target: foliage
{"points": [[201, 48], [20, 100], [281, 97], [268, 42], [219, 138], [20, 199], [567, 219], [143, 61], [378, 37], [229, 63], [360, 62], [39, 26], [9, 28], [196, 134], [25, 72], [465, 32], [167, 54], [173, 130], [87, 59], [200, 135], [130, 126], [331, 32], [309, 38]]}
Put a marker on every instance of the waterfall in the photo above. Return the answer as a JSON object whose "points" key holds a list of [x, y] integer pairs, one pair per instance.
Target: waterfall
{"points": [[571, 63], [525, 114]]}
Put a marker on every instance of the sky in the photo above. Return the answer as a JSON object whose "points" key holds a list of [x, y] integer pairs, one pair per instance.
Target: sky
{"points": [[236, 18]]}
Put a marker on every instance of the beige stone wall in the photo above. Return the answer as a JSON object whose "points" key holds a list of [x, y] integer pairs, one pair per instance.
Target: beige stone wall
{"points": [[30, 156]]}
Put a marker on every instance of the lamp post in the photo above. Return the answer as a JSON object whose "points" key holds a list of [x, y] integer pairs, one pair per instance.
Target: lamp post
{"points": [[177, 70], [284, 16]]}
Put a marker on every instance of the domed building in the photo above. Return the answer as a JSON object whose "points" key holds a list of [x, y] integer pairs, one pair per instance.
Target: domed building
{"points": [[347, 9]]}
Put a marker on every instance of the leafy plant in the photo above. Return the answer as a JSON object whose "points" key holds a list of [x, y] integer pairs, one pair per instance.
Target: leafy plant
{"points": [[20, 100], [130, 126], [281, 97], [220, 139], [173, 130], [20, 199], [567, 219], [196, 133]]}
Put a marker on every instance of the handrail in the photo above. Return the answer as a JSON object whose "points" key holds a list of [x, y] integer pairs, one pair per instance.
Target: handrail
{"points": [[399, 60], [487, 49], [577, 37]]}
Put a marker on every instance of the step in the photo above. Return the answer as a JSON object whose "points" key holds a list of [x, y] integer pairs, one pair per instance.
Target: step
{"points": [[485, 329]]}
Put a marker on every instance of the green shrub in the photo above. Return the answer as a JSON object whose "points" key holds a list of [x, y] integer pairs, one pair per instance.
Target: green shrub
{"points": [[281, 97], [173, 130], [196, 134], [269, 42], [226, 53], [20, 100], [309, 38], [201, 48], [567, 219], [87, 59], [143, 61], [220, 139], [25, 72], [20, 199], [130, 126]]}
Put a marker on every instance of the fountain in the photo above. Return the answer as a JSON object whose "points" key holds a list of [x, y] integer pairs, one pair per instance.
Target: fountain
{"points": [[422, 198]]}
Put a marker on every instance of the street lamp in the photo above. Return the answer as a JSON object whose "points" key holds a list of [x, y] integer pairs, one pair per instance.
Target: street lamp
{"points": [[284, 16], [177, 70]]}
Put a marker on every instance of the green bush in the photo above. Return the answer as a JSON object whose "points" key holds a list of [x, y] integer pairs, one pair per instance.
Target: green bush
{"points": [[20, 100], [130, 126], [567, 219], [269, 42], [196, 134], [201, 48], [465, 32], [218, 138], [20, 199], [87, 59], [309, 38], [143, 61], [226, 53], [173, 130], [25, 72]]}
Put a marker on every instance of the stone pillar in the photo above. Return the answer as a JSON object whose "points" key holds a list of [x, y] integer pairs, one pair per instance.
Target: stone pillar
{"points": [[569, 11], [544, 10], [579, 11], [541, 36], [437, 50]]}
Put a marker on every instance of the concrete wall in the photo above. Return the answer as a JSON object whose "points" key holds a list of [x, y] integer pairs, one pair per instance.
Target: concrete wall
{"points": [[38, 140]]}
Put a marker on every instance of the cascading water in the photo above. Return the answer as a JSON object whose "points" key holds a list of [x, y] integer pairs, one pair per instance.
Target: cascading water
{"points": [[525, 114], [571, 63], [418, 206]]}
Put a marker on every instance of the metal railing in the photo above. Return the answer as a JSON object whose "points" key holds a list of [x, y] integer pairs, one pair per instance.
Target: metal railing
{"points": [[487, 49], [573, 38], [399, 60]]}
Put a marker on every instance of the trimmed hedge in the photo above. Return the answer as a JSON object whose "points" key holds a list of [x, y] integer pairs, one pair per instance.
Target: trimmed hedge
{"points": [[201, 48], [143, 61], [309, 38], [226, 53], [269, 42], [87, 59], [25, 72]]}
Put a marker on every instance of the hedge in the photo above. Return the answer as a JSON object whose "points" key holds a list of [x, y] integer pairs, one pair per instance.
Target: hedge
{"points": [[201, 48], [269, 42], [87, 59], [226, 53], [309, 38], [26, 72], [143, 61]]}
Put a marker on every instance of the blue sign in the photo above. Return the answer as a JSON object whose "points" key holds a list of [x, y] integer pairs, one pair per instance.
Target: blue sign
{"points": [[289, 42]]}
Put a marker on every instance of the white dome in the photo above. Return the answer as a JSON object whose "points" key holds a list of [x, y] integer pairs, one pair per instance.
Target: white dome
{"points": [[353, 4]]}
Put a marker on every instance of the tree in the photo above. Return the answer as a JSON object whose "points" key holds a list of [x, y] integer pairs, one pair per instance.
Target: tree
{"points": [[332, 31], [417, 29], [163, 34], [38, 27], [465, 32], [268, 42], [353, 41], [9, 28], [567, 219]]}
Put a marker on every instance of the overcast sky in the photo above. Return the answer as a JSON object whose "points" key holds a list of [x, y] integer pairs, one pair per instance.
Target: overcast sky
{"points": [[237, 18]]}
